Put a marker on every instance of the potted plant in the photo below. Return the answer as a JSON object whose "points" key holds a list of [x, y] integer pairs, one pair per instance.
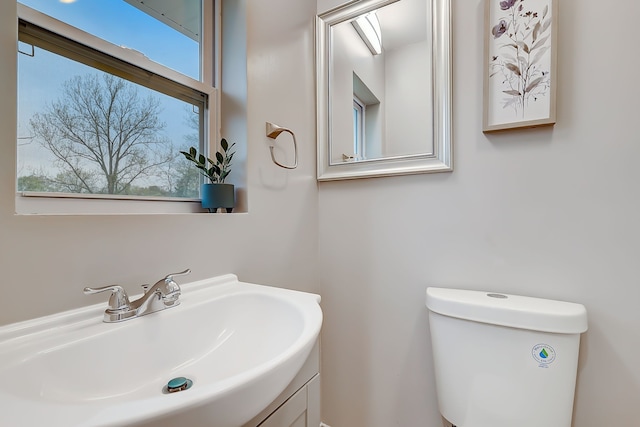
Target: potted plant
{"points": [[215, 194]]}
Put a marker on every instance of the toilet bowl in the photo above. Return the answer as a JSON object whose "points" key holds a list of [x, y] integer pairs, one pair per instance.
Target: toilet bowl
{"points": [[504, 360]]}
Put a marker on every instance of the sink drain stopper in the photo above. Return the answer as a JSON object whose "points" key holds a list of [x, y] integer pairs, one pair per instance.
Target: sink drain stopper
{"points": [[178, 384]]}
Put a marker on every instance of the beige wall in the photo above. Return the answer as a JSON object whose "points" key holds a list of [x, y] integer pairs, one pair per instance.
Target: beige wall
{"points": [[550, 212], [46, 261]]}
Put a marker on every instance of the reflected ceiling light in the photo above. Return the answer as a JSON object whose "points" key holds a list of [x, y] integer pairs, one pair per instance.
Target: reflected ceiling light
{"points": [[67, 1], [368, 27]]}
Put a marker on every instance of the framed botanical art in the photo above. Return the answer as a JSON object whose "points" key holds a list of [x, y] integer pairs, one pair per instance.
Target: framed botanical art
{"points": [[520, 64]]}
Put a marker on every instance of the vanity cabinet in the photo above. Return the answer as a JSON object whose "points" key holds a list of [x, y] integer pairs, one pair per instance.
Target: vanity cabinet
{"points": [[295, 412], [299, 403]]}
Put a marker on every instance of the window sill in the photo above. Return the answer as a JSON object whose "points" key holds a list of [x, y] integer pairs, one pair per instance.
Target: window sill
{"points": [[33, 203]]}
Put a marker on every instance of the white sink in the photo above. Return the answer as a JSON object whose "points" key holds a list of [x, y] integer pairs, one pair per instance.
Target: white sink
{"points": [[241, 344]]}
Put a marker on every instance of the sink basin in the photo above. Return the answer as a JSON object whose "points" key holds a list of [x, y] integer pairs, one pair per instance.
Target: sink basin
{"points": [[239, 343]]}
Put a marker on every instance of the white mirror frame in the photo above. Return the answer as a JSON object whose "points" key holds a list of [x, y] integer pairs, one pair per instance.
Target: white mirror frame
{"points": [[441, 158]]}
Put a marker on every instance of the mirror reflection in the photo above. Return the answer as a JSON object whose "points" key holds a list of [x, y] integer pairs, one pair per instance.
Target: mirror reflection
{"points": [[380, 84], [384, 89]]}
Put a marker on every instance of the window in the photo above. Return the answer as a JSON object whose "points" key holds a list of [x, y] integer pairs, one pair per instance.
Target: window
{"points": [[105, 105], [359, 109], [367, 122]]}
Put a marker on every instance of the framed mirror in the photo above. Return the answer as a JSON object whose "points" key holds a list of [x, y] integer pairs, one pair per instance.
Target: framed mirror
{"points": [[384, 89]]}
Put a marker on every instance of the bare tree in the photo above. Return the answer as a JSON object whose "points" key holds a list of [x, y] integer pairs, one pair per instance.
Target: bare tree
{"points": [[180, 176], [103, 134]]}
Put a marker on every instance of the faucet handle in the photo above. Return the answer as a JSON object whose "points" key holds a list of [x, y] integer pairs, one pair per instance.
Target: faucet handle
{"points": [[119, 299], [172, 289], [182, 273]]}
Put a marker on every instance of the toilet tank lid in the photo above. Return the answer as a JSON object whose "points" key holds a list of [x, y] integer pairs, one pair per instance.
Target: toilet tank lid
{"points": [[514, 311]]}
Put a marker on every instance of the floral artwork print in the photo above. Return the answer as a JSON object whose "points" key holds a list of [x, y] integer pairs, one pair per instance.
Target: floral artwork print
{"points": [[519, 64]]}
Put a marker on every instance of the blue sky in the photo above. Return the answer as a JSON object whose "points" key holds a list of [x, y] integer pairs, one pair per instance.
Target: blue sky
{"points": [[122, 24], [40, 78]]}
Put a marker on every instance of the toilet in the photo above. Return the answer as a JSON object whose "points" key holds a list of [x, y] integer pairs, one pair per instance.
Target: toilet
{"points": [[504, 360]]}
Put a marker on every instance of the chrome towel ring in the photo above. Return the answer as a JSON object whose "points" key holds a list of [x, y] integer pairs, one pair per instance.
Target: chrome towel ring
{"points": [[273, 131]]}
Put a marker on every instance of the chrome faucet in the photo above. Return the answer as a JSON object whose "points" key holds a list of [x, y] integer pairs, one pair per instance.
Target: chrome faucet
{"points": [[164, 294]]}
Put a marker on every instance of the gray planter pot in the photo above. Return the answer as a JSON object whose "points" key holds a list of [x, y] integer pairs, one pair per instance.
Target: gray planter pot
{"points": [[216, 196]]}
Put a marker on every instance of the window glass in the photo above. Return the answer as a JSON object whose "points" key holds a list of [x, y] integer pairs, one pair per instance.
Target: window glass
{"points": [[81, 130], [93, 123], [166, 31], [359, 110]]}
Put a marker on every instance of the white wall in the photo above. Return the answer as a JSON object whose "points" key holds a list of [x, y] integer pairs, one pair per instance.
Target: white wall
{"points": [[408, 97], [46, 261], [551, 212]]}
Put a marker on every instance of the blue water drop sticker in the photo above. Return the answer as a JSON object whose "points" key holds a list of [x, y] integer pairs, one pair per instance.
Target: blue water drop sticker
{"points": [[544, 354]]}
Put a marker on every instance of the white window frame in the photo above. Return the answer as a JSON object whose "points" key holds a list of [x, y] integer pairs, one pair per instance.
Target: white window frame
{"points": [[359, 142], [60, 203]]}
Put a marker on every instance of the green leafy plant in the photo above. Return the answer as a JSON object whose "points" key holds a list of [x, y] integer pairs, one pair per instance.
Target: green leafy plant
{"points": [[218, 170]]}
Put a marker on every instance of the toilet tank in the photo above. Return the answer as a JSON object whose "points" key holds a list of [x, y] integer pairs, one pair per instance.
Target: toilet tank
{"points": [[504, 360]]}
